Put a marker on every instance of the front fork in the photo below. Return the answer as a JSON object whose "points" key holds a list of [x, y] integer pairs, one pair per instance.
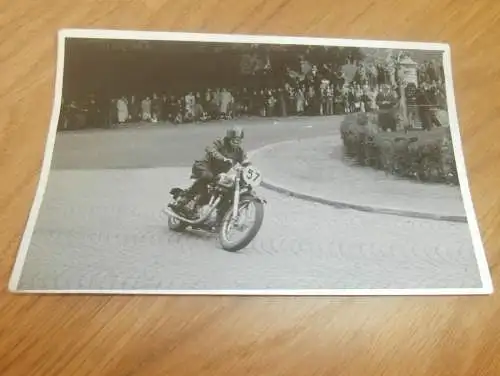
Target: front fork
{"points": [[236, 200]]}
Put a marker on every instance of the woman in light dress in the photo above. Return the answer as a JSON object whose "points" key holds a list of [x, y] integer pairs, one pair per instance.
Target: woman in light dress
{"points": [[122, 109], [225, 100], [300, 100]]}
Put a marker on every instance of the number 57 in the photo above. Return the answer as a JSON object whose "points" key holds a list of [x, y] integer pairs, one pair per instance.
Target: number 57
{"points": [[252, 174]]}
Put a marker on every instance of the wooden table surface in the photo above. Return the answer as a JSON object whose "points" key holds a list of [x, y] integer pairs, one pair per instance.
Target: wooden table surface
{"points": [[103, 335]]}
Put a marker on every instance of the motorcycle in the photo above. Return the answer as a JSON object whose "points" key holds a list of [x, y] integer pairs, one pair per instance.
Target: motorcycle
{"points": [[228, 195]]}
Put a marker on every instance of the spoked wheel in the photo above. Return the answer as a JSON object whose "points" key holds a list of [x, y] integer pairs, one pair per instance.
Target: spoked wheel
{"points": [[243, 224]]}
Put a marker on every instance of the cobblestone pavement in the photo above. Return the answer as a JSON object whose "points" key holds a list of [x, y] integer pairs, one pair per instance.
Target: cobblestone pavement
{"points": [[317, 167], [102, 229]]}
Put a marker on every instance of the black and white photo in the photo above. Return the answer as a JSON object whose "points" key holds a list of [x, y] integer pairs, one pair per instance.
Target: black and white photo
{"points": [[183, 163]]}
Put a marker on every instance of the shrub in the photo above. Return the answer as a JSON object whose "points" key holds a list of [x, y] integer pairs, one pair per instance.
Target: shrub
{"points": [[357, 131], [416, 154]]}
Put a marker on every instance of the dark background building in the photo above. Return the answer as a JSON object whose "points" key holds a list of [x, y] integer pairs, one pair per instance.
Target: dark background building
{"points": [[112, 68]]}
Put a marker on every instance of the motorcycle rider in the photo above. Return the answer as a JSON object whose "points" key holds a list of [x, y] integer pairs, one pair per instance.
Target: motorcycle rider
{"points": [[219, 157]]}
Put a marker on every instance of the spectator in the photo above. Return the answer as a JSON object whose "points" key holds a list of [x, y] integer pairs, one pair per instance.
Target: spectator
{"points": [[424, 105], [261, 102], [330, 99], [178, 111], [411, 103], [146, 109], [270, 103], [172, 108], [190, 103], [164, 108], [134, 109], [76, 119], [122, 108], [155, 108], [112, 117], [93, 114], [358, 99], [226, 99], [245, 101], [198, 107], [386, 101], [282, 99], [300, 100]]}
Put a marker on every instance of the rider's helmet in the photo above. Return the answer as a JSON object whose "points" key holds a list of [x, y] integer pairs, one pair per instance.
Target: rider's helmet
{"points": [[235, 135], [235, 132]]}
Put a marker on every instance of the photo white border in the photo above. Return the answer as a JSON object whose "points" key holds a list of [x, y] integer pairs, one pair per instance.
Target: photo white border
{"points": [[63, 34]]}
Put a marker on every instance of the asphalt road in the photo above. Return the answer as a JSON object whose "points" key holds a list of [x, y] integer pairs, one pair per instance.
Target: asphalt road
{"points": [[173, 146], [101, 226]]}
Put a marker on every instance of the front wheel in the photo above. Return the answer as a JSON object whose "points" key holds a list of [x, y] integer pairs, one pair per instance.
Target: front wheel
{"points": [[229, 224]]}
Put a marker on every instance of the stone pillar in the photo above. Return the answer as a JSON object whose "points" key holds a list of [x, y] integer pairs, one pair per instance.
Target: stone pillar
{"points": [[408, 70]]}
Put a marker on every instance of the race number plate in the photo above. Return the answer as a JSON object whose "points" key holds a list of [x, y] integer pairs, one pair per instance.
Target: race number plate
{"points": [[252, 176]]}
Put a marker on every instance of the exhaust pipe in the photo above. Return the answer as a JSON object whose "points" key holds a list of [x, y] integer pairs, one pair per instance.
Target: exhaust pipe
{"points": [[168, 211]]}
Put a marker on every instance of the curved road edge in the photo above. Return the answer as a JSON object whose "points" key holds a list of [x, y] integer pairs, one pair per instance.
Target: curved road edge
{"points": [[279, 188]]}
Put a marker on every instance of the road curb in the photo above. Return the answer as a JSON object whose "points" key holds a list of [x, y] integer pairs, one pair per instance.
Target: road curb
{"points": [[269, 184]]}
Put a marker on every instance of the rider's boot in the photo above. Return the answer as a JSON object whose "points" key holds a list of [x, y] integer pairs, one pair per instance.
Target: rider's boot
{"points": [[185, 198], [180, 207], [179, 204]]}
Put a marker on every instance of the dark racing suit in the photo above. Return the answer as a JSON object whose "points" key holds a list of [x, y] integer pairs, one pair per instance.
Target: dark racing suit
{"points": [[205, 170]]}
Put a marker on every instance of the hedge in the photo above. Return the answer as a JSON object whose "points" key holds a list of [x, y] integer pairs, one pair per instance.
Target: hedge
{"points": [[414, 154]]}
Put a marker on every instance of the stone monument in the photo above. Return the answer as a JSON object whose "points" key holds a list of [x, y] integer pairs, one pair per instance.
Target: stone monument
{"points": [[407, 73]]}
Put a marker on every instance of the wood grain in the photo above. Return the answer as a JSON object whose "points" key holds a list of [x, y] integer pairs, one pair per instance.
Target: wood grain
{"points": [[77, 335]]}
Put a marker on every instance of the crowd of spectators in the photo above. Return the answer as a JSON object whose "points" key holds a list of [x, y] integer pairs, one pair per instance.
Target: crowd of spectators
{"points": [[312, 90]]}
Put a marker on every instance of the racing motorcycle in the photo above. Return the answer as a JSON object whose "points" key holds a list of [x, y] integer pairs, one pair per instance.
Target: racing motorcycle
{"points": [[230, 195]]}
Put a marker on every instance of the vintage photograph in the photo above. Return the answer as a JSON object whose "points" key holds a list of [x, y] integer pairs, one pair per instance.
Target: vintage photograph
{"points": [[182, 163]]}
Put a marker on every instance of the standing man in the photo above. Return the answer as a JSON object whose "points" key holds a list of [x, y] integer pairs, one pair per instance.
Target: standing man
{"points": [[386, 101]]}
